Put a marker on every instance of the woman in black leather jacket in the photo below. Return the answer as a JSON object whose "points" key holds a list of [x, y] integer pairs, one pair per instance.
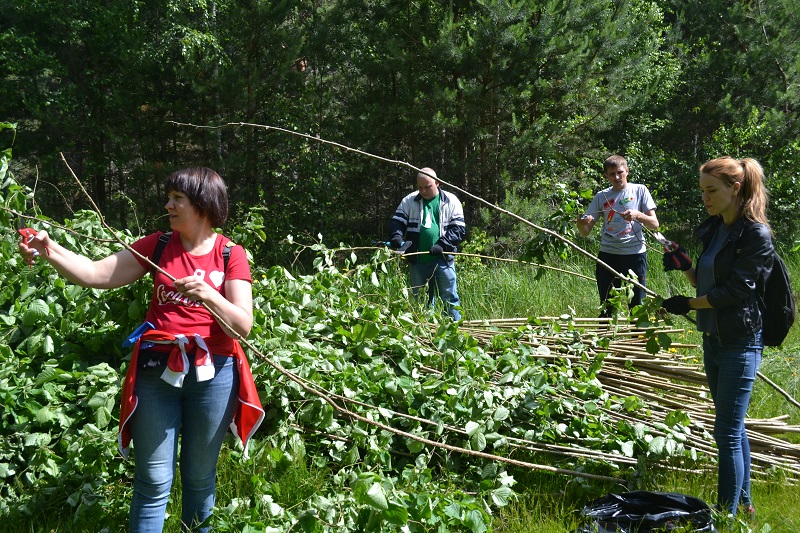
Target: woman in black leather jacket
{"points": [[729, 276]]}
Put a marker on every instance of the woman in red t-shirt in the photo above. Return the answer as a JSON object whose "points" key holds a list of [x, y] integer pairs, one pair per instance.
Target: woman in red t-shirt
{"points": [[184, 377]]}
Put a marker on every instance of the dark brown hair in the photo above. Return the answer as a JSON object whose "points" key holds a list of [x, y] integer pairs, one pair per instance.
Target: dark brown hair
{"points": [[206, 191]]}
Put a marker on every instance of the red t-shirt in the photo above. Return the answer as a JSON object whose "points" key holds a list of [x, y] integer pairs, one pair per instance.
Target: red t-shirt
{"points": [[169, 310]]}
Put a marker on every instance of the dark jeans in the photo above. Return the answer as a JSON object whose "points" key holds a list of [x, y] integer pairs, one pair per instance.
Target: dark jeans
{"points": [[606, 280], [731, 371]]}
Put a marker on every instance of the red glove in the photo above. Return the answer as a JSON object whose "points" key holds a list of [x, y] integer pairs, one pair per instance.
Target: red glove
{"points": [[676, 259]]}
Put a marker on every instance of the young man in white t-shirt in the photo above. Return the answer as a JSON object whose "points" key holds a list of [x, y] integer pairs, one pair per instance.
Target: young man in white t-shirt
{"points": [[625, 208]]}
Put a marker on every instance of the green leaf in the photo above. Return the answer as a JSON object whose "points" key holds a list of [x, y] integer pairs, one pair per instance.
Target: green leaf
{"points": [[453, 510], [657, 446], [308, 521], [664, 340], [414, 446], [501, 413], [352, 456], [44, 415], [50, 373], [48, 346], [501, 496], [627, 448], [472, 427], [50, 466], [396, 514], [98, 400], [478, 441], [37, 439], [677, 417], [653, 346], [475, 521], [103, 417], [6, 470], [376, 497], [36, 311]]}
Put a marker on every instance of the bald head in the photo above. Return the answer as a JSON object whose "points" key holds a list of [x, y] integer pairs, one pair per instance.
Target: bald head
{"points": [[427, 172], [427, 184]]}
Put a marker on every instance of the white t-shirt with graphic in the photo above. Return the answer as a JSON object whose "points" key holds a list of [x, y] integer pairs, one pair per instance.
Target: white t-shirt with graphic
{"points": [[620, 237]]}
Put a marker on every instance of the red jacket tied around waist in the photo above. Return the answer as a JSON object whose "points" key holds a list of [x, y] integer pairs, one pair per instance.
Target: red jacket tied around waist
{"points": [[249, 413]]}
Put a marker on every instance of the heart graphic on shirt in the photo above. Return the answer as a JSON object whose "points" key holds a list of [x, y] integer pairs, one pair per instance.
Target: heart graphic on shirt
{"points": [[216, 277]]}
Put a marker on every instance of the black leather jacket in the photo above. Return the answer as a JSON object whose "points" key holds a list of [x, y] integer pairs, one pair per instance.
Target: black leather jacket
{"points": [[740, 268]]}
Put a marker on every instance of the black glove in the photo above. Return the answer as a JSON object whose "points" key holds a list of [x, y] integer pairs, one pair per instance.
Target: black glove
{"points": [[396, 242], [677, 305], [436, 249], [677, 259]]}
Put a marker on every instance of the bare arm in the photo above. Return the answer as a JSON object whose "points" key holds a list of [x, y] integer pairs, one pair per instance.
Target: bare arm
{"points": [[701, 302], [691, 275], [113, 271]]}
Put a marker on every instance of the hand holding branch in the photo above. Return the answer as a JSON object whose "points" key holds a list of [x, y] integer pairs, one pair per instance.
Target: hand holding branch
{"points": [[194, 288]]}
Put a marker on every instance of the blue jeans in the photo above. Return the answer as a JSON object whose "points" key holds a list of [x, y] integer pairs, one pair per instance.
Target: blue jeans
{"points": [[438, 275], [201, 414], [731, 372]]}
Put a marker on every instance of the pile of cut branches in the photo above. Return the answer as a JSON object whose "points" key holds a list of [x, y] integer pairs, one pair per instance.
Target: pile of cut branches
{"points": [[670, 382]]}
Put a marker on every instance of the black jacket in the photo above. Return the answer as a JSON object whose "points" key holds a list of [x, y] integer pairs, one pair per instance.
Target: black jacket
{"points": [[740, 268]]}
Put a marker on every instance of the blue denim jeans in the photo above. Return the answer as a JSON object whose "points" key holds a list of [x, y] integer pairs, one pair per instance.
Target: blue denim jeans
{"points": [[439, 277], [731, 372], [200, 413]]}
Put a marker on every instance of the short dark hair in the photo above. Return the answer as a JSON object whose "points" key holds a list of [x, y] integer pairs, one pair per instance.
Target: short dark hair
{"points": [[614, 161], [206, 191]]}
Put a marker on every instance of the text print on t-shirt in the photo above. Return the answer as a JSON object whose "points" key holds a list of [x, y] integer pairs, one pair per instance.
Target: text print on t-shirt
{"points": [[167, 296], [170, 296], [216, 277]]}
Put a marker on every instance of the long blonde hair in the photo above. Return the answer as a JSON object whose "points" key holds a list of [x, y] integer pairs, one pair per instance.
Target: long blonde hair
{"points": [[749, 174]]}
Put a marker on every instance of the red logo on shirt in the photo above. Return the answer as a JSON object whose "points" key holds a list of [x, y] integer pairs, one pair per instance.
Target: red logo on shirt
{"points": [[164, 297]]}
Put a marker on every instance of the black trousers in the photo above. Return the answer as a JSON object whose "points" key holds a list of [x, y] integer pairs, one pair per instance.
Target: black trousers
{"points": [[622, 264]]}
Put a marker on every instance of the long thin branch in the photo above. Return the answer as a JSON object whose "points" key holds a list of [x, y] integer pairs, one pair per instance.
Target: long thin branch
{"points": [[54, 225], [325, 395], [479, 256], [397, 162], [537, 265], [777, 388]]}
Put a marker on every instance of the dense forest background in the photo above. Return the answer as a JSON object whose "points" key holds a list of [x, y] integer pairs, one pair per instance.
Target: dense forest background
{"points": [[516, 101]]}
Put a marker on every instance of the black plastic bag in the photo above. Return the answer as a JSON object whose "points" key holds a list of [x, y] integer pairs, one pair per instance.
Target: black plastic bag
{"points": [[643, 511]]}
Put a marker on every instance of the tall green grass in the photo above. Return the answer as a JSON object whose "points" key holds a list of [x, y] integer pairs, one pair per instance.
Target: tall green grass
{"points": [[513, 290]]}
